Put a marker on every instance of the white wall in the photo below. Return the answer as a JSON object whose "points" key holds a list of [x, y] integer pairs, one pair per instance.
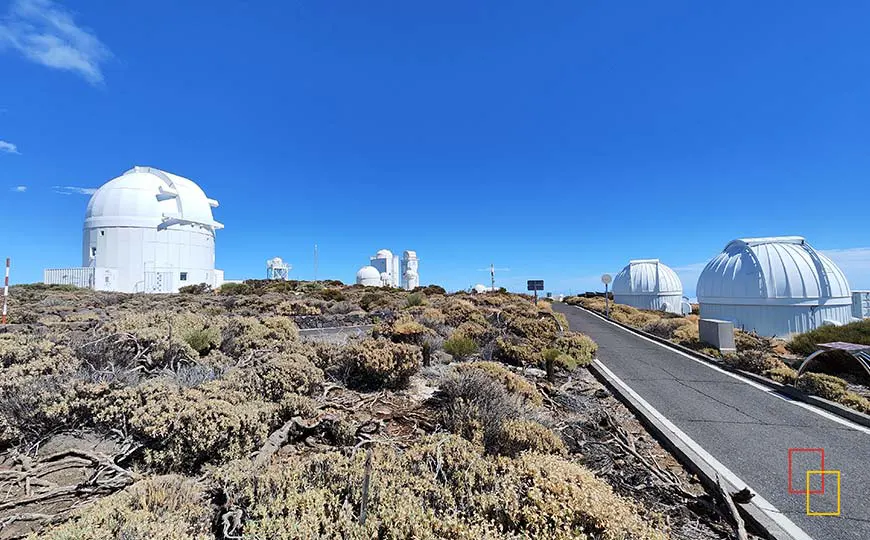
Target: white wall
{"points": [[151, 260], [777, 320], [655, 302]]}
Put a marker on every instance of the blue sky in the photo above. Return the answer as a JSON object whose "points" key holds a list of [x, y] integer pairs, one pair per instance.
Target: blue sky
{"points": [[556, 139]]}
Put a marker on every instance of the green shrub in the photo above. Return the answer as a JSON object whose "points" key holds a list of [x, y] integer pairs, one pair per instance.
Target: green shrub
{"points": [[460, 347], [415, 299], [201, 288], [235, 288], [515, 352], [806, 343]]}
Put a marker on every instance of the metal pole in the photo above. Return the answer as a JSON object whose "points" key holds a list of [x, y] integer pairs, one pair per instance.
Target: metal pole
{"points": [[606, 302], [492, 276], [536, 297], [5, 290]]}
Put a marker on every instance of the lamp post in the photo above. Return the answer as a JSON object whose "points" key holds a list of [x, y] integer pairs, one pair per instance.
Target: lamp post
{"points": [[606, 279]]}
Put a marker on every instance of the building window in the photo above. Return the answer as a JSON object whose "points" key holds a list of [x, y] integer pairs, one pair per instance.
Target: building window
{"points": [[184, 276], [93, 252], [102, 233]]}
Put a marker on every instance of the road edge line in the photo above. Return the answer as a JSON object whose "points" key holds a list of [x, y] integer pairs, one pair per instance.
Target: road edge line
{"points": [[844, 413], [759, 513]]}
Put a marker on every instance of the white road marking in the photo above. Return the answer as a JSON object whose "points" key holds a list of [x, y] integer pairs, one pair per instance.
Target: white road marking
{"points": [[766, 389], [771, 511]]}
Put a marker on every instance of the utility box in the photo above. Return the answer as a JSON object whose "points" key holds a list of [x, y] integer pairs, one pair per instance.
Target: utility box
{"points": [[861, 304], [719, 334]]}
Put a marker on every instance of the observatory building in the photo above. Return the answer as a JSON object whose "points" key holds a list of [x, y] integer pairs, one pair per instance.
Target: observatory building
{"points": [[384, 270], [774, 286], [410, 268], [649, 284], [146, 231]]}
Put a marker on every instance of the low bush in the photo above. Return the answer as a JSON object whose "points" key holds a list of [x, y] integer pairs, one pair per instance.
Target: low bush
{"points": [[415, 299], [824, 386], [805, 344], [460, 346], [578, 346], [281, 374], [782, 374], [513, 383], [201, 288], [376, 363], [519, 436], [515, 352], [159, 508], [442, 487]]}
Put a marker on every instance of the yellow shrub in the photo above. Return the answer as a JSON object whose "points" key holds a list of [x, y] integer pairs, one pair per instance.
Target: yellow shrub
{"points": [[580, 347], [525, 435], [380, 362], [160, 508]]}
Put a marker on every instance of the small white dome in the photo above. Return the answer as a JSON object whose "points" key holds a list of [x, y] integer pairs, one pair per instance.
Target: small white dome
{"points": [[384, 254], [479, 288], [148, 197], [779, 270], [645, 277], [368, 272]]}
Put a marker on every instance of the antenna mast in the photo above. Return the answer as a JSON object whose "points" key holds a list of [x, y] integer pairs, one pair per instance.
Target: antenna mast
{"points": [[315, 262], [492, 276]]}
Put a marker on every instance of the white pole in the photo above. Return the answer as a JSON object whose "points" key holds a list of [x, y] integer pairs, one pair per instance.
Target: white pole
{"points": [[606, 302], [6, 290]]}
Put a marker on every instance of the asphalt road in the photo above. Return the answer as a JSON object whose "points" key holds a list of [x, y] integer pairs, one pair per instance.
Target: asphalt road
{"points": [[749, 430]]}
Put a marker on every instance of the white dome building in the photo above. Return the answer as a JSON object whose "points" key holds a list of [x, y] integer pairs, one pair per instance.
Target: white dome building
{"points": [[774, 286], [369, 276], [387, 265], [648, 284], [146, 231]]}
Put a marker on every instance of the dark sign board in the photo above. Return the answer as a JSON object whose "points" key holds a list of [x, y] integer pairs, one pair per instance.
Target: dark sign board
{"points": [[536, 285]]}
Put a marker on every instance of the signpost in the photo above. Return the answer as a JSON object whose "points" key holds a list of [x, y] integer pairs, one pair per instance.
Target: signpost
{"points": [[536, 285], [606, 279]]}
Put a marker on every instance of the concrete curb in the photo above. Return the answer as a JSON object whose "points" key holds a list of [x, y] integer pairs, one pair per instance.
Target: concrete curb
{"points": [[757, 520], [784, 389]]}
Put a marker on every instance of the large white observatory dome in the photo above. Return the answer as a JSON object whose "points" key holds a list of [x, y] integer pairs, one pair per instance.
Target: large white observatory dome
{"points": [[368, 276], [648, 284], [774, 286], [153, 229]]}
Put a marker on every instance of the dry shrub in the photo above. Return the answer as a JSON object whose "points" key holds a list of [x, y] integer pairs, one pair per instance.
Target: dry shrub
{"points": [[290, 308], [406, 330], [475, 406], [753, 362], [578, 346], [159, 508], [457, 311], [184, 428], [276, 377], [525, 435], [432, 317], [244, 335], [857, 402], [376, 363], [782, 374], [824, 386], [442, 487], [747, 341], [476, 331], [513, 383], [515, 352]]}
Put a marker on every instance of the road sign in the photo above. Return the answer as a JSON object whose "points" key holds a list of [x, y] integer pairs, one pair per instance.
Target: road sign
{"points": [[536, 284], [606, 279]]}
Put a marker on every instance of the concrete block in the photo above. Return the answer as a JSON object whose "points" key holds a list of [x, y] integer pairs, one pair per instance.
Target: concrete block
{"points": [[719, 334]]}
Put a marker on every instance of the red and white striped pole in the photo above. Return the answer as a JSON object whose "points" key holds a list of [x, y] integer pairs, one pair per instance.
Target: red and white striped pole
{"points": [[6, 289]]}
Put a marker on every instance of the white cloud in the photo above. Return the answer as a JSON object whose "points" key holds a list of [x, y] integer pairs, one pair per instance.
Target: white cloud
{"points": [[45, 32], [8, 148], [18, 189], [74, 190]]}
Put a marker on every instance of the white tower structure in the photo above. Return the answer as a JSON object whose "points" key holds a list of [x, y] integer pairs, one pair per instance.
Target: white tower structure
{"points": [[648, 284], [369, 276], [410, 270], [276, 268], [146, 231], [388, 267], [774, 286]]}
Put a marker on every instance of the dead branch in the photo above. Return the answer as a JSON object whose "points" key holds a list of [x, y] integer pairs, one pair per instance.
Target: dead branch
{"points": [[739, 526]]}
